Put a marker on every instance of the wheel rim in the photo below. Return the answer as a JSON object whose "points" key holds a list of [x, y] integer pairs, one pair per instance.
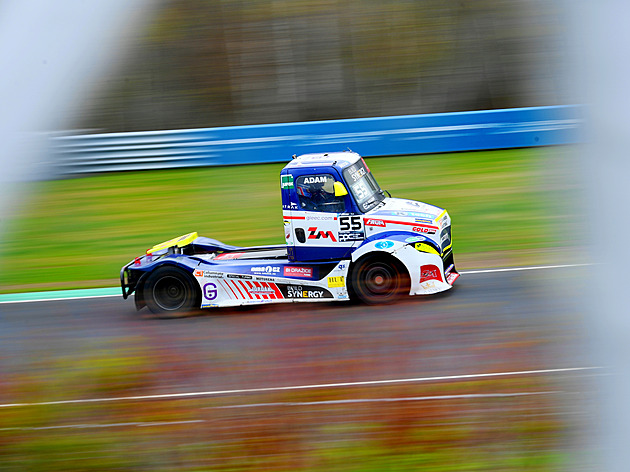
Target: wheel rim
{"points": [[170, 293], [380, 280]]}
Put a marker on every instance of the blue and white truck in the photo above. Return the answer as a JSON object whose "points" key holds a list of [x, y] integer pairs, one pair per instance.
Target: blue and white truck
{"points": [[346, 239]]}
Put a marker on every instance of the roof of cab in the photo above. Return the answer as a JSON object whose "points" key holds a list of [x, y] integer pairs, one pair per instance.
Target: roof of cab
{"points": [[338, 159]]}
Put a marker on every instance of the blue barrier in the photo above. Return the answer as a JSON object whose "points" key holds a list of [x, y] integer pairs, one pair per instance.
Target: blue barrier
{"points": [[386, 136]]}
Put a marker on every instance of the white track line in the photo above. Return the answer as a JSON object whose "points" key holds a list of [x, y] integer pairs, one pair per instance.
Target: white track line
{"points": [[102, 425], [59, 299], [257, 405], [514, 269], [300, 387], [388, 400], [463, 272]]}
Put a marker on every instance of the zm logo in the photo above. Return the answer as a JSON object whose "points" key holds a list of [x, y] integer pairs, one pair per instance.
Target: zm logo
{"points": [[313, 233]]}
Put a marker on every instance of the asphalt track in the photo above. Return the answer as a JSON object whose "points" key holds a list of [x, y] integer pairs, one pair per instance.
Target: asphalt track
{"points": [[490, 322]]}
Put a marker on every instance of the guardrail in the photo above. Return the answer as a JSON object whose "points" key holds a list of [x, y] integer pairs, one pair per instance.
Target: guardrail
{"points": [[387, 136]]}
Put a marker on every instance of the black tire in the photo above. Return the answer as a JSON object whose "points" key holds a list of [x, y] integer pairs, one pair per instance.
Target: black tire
{"points": [[379, 281], [170, 291]]}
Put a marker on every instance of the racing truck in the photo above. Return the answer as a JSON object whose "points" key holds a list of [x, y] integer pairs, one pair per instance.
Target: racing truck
{"points": [[345, 239]]}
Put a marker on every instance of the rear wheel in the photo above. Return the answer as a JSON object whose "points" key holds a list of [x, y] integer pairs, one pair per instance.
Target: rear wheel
{"points": [[377, 281], [170, 291]]}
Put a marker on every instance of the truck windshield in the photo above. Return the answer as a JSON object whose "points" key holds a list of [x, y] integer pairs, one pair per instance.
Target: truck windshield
{"points": [[363, 186]]}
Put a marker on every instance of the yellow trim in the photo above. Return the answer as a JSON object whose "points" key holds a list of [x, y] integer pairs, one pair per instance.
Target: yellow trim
{"points": [[448, 247], [180, 241], [440, 216], [340, 189], [423, 247]]}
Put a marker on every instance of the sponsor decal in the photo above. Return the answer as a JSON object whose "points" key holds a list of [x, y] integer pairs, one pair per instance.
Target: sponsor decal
{"points": [[261, 290], [358, 174], [238, 276], [415, 214], [430, 272], [228, 256], [249, 290], [265, 269], [341, 267], [384, 245], [292, 271], [318, 179], [207, 273], [264, 279], [450, 278], [373, 222], [345, 236], [356, 171], [286, 181], [322, 217], [299, 291], [424, 221], [210, 291], [290, 206], [336, 281], [347, 223], [314, 233], [445, 236], [423, 229], [417, 227], [415, 239], [422, 247], [429, 286]]}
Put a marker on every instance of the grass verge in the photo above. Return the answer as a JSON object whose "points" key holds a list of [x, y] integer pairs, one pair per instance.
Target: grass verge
{"points": [[508, 207]]}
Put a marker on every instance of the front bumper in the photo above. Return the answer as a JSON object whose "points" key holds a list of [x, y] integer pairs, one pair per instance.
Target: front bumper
{"points": [[128, 279]]}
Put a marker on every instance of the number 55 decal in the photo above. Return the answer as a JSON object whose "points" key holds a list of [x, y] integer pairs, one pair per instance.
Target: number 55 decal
{"points": [[347, 223]]}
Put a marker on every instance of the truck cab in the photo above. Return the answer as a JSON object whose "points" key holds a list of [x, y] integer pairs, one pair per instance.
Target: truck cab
{"points": [[324, 200], [333, 209]]}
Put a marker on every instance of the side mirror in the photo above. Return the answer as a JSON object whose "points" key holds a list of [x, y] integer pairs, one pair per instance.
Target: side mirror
{"points": [[340, 189]]}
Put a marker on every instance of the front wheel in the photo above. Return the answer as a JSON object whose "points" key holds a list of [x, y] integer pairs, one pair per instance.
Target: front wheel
{"points": [[376, 281], [169, 291]]}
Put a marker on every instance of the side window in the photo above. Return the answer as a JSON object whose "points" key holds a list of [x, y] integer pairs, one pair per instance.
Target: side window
{"points": [[316, 193]]}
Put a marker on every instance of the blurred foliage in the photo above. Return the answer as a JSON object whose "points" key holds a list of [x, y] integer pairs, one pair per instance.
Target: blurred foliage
{"points": [[503, 204], [395, 427], [204, 63]]}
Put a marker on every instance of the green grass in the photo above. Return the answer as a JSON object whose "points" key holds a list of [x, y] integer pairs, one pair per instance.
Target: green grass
{"points": [[507, 206]]}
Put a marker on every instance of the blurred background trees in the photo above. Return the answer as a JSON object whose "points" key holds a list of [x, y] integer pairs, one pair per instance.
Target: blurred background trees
{"points": [[205, 63]]}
